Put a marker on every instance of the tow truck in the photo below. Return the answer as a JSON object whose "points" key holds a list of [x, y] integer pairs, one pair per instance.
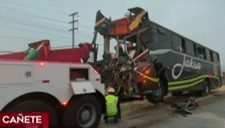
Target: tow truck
{"points": [[56, 80]]}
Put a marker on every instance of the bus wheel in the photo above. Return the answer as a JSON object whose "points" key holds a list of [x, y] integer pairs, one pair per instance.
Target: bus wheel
{"points": [[156, 95], [83, 112], [36, 106], [206, 88]]}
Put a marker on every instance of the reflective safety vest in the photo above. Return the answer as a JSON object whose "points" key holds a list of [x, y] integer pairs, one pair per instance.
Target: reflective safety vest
{"points": [[111, 105]]}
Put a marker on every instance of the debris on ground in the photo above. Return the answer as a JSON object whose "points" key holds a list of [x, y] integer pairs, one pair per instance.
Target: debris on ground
{"points": [[184, 107]]}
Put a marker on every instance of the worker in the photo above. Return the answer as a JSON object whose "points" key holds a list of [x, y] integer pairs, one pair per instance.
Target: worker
{"points": [[112, 105]]}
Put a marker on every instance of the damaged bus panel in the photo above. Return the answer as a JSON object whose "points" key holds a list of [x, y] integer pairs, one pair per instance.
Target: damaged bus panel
{"points": [[131, 69]]}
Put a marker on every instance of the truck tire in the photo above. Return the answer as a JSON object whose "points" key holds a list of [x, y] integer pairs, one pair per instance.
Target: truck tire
{"points": [[83, 112], [36, 106], [156, 95], [206, 88]]}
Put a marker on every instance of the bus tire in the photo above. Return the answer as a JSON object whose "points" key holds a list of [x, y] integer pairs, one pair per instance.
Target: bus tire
{"points": [[83, 112], [206, 88], [156, 95], [37, 106]]}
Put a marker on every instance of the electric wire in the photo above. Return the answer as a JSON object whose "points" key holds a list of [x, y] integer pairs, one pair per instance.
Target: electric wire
{"points": [[18, 4], [60, 21], [47, 10], [33, 31]]}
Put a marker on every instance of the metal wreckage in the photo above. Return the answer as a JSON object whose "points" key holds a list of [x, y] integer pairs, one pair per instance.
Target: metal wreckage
{"points": [[132, 69]]}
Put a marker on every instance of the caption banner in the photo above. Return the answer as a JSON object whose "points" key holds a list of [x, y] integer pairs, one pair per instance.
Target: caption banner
{"points": [[24, 119]]}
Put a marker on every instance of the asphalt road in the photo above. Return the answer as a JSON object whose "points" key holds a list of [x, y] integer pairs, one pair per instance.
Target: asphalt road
{"points": [[209, 116], [210, 113]]}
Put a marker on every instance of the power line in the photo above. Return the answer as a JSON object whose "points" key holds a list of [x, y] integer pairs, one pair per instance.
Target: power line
{"points": [[30, 38], [44, 10], [86, 19], [47, 10], [35, 21], [86, 27], [79, 34], [15, 15], [33, 31], [18, 4], [34, 14]]}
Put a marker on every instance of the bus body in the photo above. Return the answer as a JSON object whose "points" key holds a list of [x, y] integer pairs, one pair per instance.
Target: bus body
{"points": [[156, 59], [188, 63]]}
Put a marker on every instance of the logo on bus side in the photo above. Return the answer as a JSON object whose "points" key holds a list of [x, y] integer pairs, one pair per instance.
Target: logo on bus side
{"points": [[186, 63]]}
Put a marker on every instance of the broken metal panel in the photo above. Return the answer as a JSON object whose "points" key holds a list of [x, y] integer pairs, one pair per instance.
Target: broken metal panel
{"points": [[119, 72], [106, 44], [136, 10]]}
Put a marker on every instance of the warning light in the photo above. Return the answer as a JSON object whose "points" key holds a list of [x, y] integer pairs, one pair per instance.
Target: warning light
{"points": [[64, 102], [147, 71], [144, 81], [42, 64]]}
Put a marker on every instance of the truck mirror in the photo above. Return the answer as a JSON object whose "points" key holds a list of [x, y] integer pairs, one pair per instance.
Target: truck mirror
{"points": [[91, 57]]}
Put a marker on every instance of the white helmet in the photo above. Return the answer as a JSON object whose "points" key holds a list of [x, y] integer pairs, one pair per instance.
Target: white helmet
{"points": [[111, 90]]}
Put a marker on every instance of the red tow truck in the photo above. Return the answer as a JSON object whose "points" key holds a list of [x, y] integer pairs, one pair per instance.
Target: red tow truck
{"points": [[56, 80]]}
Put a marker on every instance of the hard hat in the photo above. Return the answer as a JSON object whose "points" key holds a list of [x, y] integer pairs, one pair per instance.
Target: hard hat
{"points": [[111, 90]]}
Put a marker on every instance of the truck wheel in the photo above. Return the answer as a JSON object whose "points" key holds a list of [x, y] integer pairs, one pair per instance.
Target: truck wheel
{"points": [[83, 112], [156, 95], [36, 106], [206, 88]]}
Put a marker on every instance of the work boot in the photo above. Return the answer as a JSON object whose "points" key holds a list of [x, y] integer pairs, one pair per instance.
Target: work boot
{"points": [[116, 118], [119, 116], [106, 119]]}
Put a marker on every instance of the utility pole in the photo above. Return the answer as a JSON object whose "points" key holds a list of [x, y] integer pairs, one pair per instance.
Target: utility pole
{"points": [[73, 29]]}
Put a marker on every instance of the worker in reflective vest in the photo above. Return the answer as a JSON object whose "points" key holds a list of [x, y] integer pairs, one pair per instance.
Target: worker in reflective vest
{"points": [[111, 105]]}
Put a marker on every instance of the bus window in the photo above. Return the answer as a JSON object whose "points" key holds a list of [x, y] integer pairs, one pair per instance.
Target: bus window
{"points": [[176, 43], [190, 48], [195, 51], [211, 56], [208, 55], [183, 46], [201, 53], [218, 57]]}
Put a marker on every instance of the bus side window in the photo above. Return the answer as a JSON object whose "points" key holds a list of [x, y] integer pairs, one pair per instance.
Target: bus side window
{"points": [[183, 46], [176, 43], [207, 54], [211, 56], [201, 53], [190, 48], [218, 57], [195, 50]]}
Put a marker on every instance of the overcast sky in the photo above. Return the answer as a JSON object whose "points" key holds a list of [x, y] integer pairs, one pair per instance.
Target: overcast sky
{"points": [[26, 21]]}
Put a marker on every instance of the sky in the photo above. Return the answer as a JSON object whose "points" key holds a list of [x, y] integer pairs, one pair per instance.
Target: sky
{"points": [[26, 21]]}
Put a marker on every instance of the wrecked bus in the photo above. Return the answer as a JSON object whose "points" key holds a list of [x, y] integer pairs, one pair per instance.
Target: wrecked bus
{"points": [[151, 60]]}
